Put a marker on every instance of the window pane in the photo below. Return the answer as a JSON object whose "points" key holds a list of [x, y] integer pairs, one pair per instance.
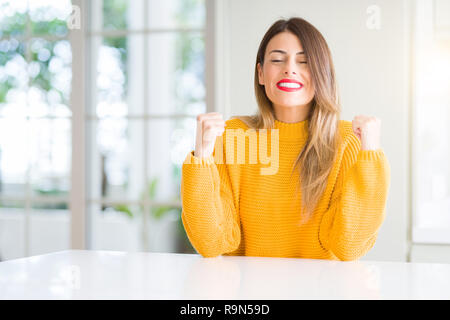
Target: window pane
{"points": [[117, 14], [14, 155], [12, 230], [13, 78], [176, 74], [120, 77], [50, 74], [121, 228], [50, 156], [49, 228], [176, 13], [129, 14], [116, 159], [49, 16], [116, 227], [162, 229], [13, 17], [169, 143]]}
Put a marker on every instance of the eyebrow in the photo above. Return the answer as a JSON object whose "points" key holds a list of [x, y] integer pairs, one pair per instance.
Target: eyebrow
{"points": [[284, 52]]}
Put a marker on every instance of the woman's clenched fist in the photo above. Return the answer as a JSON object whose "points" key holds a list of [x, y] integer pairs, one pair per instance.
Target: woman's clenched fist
{"points": [[209, 127], [367, 129]]}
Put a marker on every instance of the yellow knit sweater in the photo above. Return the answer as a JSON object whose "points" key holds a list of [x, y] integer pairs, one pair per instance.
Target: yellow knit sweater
{"points": [[231, 208]]}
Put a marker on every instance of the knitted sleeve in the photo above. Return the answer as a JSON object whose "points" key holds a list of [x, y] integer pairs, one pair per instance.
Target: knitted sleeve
{"points": [[209, 213], [350, 226]]}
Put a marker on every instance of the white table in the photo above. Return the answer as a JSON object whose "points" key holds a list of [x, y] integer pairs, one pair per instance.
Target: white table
{"points": [[78, 274]]}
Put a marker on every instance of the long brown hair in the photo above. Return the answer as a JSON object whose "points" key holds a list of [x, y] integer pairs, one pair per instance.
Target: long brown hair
{"points": [[317, 156]]}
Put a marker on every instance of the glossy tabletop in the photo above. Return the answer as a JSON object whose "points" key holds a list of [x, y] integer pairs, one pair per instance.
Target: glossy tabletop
{"points": [[78, 274]]}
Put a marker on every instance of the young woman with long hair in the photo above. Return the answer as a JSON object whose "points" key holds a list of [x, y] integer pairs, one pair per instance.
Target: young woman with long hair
{"points": [[325, 197]]}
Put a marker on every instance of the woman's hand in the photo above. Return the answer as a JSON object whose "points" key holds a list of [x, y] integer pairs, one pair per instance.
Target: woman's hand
{"points": [[367, 129], [209, 126]]}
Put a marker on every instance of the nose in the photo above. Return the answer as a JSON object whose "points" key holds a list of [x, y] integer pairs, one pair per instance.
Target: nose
{"points": [[290, 68]]}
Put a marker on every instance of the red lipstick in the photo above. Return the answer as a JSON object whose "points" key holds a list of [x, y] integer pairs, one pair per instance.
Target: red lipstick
{"points": [[289, 85]]}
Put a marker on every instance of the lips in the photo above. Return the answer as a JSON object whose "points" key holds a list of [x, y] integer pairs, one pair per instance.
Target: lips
{"points": [[289, 85]]}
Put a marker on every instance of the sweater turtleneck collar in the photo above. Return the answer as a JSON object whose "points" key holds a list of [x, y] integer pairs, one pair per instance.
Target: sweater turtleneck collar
{"points": [[292, 131]]}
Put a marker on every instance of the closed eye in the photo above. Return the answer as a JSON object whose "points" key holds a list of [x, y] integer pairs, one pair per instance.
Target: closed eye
{"points": [[282, 60]]}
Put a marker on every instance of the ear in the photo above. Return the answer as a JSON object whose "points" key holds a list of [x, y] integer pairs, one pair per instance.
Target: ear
{"points": [[260, 74]]}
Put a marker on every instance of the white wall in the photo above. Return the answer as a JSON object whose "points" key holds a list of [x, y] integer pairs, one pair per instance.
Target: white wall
{"points": [[372, 70]]}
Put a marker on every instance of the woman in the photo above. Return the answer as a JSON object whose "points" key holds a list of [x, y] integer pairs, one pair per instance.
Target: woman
{"points": [[325, 200]]}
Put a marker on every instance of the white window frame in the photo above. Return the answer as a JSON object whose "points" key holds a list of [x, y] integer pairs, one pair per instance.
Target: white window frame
{"points": [[78, 104]]}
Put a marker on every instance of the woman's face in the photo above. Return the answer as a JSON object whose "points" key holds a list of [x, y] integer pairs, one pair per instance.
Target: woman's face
{"points": [[284, 59]]}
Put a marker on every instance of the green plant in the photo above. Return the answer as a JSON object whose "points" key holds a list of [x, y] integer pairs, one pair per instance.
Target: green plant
{"points": [[156, 212], [148, 194]]}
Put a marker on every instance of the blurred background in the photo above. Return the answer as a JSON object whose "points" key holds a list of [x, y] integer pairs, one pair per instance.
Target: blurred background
{"points": [[98, 100]]}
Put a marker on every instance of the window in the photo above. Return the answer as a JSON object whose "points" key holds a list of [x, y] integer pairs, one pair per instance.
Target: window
{"points": [[35, 125], [431, 155], [145, 84], [147, 74]]}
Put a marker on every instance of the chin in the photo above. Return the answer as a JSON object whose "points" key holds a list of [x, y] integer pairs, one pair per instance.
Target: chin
{"points": [[290, 104]]}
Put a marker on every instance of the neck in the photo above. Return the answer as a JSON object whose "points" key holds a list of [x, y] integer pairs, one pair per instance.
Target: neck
{"points": [[292, 114]]}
